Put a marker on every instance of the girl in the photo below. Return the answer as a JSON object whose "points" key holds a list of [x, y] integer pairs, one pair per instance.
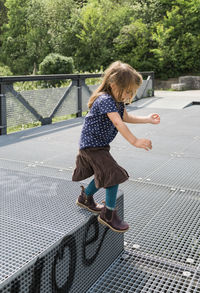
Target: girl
{"points": [[106, 117]]}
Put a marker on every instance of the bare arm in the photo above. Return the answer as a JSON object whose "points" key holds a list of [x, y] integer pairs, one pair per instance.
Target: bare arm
{"points": [[152, 118], [127, 134]]}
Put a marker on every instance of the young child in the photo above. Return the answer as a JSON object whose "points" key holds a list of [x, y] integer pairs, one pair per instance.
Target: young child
{"points": [[106, 117]]}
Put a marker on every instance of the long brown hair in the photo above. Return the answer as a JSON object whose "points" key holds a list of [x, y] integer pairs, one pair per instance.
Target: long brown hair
{"points": [[123, 75]]}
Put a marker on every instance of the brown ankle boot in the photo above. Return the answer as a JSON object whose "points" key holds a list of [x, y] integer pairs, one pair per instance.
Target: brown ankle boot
{"points": [[111, 219], [88, 202]]}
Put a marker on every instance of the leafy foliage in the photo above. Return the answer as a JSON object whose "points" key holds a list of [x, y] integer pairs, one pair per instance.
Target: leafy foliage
{"points": [[5, 70], [3, 13], [178, 39], [159, 35], [62, 19], [101, 22], [56, 64], [132, 45], [13, 41]]}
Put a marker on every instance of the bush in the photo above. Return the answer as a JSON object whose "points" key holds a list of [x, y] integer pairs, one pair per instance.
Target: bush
{"points": [[56, 64], [5, 70]]}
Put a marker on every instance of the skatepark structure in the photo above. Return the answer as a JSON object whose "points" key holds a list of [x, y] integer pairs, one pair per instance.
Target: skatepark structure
{"points": [[48, 244]]}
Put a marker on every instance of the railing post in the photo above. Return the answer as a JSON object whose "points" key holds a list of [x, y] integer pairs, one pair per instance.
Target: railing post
{"points": [[153, 83], [3, 119], [79, 90]]}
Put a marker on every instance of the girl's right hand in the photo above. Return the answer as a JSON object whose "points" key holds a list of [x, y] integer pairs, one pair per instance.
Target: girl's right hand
{"points": [[143, 143]]}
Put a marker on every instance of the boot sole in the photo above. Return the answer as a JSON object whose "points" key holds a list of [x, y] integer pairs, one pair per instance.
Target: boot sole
{"points": [[87, 208], [106, 224]]}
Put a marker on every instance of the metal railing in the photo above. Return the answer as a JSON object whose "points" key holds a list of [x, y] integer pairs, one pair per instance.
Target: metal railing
{"points": [[14, 104]]}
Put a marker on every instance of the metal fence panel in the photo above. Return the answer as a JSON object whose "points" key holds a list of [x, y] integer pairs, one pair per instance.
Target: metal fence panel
{"points": [[45, 104]]}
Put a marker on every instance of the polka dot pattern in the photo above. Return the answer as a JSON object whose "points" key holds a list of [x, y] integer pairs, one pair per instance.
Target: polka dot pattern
{"points": [[98, 130]]}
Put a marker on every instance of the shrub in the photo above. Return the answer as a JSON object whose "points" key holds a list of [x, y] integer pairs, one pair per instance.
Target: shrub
{"points": [[5, 70], [56, 64]]}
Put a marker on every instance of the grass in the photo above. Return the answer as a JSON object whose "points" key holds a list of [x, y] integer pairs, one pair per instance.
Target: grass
{"points": [[22, 127]]}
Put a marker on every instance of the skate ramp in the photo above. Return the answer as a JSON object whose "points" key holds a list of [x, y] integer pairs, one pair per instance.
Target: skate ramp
{"points": [[161, 204], [48, 244]]}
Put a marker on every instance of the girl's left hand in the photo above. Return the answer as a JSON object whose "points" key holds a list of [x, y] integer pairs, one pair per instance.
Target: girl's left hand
{"points": [[154, 118]]}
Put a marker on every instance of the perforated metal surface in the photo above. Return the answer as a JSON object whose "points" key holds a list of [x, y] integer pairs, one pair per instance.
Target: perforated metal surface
{"points": [[46, 240], [64, 264], [140, 273], [86, 94], [43, 101], [178, 172], [161, 198], [162, 206], [22, 114], [70, 105], [163, 231]]}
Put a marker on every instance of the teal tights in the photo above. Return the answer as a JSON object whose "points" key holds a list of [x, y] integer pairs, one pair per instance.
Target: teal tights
{"points": [[111, 194]]}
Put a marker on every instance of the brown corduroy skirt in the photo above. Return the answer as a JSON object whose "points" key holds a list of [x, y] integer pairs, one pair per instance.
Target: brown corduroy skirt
{"points": [[99, 162]]}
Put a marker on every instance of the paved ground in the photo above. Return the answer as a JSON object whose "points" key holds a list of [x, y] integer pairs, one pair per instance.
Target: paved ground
{"points": [[162, 205], [171, 99]]}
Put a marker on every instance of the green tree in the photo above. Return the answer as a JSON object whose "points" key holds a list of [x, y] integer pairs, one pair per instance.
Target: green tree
{"points": [[132, 45], [150, 11], [25, 40], [3, 13], [160, 35], [62, 17], [178, 39], [80, 3], [101, 22], [13, 41], [3, 19], [37, 37]]}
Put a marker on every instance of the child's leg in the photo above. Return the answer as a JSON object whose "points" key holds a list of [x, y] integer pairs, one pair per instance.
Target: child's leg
{"points": [[85, 199], [108, 215], [91, 189], [111, 196]]}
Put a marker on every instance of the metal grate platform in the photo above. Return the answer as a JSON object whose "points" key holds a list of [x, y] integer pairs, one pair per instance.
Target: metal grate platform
{"points": [[161, 199], [144, 274], [162, 203], [162, 229], [46, 240]]}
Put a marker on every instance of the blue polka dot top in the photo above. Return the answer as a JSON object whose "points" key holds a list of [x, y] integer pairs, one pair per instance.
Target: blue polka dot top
{"points": [[98, 130]]}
